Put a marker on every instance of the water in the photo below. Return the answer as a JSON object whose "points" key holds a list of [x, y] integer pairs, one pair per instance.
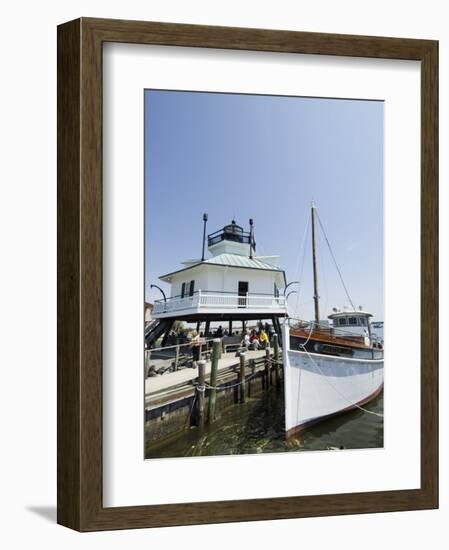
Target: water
{"points": [[258, 427]]}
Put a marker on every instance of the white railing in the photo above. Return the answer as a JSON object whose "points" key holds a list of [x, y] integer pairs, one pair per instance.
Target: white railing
{"points": [[176, 304], [218, 300]]}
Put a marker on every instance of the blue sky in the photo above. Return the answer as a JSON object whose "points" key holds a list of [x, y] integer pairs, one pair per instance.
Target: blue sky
{"points": [[267, 158]]}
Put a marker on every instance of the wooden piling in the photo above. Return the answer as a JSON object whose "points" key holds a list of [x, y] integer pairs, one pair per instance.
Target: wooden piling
{"points": [[242, 378], [267, 368], [213, 378], [277, 367], [147, 362], [176, 357], [201, 392], [252, 365]]}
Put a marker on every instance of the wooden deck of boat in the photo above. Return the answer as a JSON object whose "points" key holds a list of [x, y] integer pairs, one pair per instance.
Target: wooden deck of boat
{"points": [[328, 337]]}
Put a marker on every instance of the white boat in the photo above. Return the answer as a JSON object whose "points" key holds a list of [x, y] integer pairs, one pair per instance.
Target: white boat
{"points": [[329, 368]]}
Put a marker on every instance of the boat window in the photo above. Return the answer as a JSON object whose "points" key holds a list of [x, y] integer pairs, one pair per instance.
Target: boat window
{"points": [[342, 321], [363, 321], [352, 321]]}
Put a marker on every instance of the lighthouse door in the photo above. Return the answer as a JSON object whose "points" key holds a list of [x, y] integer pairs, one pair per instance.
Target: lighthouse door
{"points": [[243, 291]]}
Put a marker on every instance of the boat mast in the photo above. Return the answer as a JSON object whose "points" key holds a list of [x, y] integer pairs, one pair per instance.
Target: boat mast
{"points": [[315, 270]]}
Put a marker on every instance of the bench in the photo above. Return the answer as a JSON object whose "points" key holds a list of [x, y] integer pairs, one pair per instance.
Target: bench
{"points": [[232, 342]]}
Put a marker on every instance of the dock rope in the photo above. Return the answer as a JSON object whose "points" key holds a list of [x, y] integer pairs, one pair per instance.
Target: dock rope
{"points": [[310, 334], [202, 388], [191, 409], [209, 387], [338, 391]]}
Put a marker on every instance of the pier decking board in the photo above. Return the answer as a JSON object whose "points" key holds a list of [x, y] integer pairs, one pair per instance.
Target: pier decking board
{"points": [[156, 384]]}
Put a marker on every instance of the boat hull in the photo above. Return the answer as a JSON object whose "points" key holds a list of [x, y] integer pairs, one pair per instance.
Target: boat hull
{"points": [[319, 386]]}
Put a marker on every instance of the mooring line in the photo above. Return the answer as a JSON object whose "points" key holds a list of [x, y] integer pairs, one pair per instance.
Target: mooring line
{"points": [[206, 385], [191, 409]]}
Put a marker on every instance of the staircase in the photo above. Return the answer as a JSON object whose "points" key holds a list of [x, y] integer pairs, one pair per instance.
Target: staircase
{"points": [[155, 329]]}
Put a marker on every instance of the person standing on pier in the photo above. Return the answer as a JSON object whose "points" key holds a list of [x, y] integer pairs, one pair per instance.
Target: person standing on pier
{"points": [[245, 343], [196, 344]]}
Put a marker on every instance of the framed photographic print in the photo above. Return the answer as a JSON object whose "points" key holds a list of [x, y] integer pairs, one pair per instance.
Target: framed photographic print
{"points": [[247, 287]]}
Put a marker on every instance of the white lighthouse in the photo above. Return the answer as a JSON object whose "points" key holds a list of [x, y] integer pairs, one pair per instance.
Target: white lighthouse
{"points": [[233, 284]]}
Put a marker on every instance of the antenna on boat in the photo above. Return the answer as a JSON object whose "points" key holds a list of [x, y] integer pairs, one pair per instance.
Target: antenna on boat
{"points": [[316, 297], [204, 234]]}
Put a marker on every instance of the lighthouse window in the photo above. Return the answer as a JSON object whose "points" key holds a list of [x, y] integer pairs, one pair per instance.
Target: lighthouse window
{"points": [[183, 290], [192, 288]]}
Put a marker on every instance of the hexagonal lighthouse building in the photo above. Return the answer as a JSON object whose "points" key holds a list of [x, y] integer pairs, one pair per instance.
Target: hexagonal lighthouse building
{"points": [[234, 284]]}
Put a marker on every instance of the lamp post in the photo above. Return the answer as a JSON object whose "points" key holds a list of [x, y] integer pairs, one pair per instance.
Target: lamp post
{"points": [[291, 292], [251, 222], [160, 290], [204, 234], [289, 284]]}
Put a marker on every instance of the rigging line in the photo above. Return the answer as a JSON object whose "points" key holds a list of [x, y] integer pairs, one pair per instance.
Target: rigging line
{"points": [[301, 264], [306, 227], [308, 337], [335, 261], [323, 271], [305, 303]]}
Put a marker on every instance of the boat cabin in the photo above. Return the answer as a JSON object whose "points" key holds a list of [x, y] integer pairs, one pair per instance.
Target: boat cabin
{"points": [[354, 322]]}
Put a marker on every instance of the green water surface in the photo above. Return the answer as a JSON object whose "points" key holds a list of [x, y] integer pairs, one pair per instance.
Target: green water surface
{"points": [[257, 426]]}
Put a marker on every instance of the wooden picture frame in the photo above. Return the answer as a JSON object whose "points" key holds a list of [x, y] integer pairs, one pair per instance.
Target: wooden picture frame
{"points": [[80, 504]]}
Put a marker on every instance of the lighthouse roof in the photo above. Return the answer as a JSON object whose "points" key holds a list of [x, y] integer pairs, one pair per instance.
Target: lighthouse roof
{"points": [[230, 260], [236, 260]]}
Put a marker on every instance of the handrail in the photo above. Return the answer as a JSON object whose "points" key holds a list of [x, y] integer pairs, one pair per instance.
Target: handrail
{"points": [[312, 326], [222, 234], [221, 300], [244, 296], [222, 230], [211, 292], [202, 342], [233, 293]]}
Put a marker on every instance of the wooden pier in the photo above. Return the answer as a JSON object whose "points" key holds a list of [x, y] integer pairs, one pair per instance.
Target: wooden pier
{"points": [[178, 400]]}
